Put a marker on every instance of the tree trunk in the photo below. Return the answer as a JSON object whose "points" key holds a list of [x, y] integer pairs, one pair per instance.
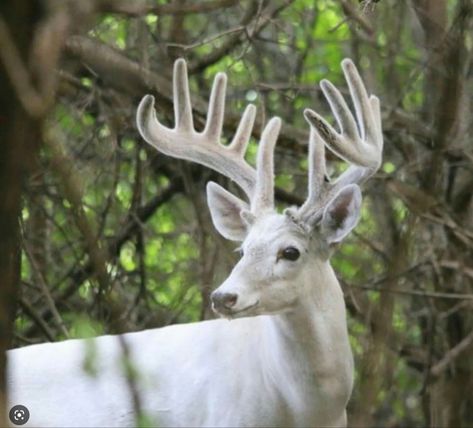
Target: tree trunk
{"points": [[27, 59]]}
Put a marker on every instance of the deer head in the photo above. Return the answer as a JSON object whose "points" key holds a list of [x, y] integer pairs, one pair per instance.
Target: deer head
{"points": [[278, 249]]}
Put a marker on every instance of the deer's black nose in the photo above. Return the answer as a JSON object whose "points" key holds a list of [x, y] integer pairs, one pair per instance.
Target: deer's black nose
{"points": [[222, 300]]}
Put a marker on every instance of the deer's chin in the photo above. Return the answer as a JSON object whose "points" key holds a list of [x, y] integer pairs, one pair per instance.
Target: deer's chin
{"points": [[247, 311]]}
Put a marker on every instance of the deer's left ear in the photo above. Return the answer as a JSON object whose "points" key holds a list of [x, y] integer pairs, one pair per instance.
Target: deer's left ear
{"points": [[228, 212], [341, 214]]}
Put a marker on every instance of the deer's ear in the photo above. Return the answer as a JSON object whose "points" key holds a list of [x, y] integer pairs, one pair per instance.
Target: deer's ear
{"points": [[341, 214], [227, 212]]}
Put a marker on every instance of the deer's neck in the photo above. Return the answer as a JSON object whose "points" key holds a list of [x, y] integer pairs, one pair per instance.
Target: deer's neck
{"points": [[310, 344]]}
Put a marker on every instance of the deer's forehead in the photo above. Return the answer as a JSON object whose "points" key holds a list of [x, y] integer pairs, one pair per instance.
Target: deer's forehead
{"points": [[273, 230]]}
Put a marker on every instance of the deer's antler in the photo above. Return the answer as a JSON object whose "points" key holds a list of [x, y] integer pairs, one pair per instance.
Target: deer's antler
{"points": [[184, 142], [360, 141]]}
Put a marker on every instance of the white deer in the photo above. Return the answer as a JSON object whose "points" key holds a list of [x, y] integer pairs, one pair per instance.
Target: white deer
{"points": [[285, 358]]}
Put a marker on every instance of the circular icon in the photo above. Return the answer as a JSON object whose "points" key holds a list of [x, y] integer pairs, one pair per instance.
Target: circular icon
{"points": [[19, 414]]}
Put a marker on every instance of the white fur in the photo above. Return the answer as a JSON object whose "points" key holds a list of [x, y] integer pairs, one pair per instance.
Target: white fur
{"points": [[289, 366]]}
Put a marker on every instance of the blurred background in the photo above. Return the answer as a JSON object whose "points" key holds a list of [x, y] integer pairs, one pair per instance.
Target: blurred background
{"points": [[102, 234]]}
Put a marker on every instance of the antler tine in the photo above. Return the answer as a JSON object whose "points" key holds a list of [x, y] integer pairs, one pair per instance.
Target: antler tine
{"points": [[359, 142], [363, 107], [182, 99], [243, 134], [213, 127], [317, 169], [264, 192]]}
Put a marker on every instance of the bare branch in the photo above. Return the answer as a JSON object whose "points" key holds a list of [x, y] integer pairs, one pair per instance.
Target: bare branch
{"points": [[145, 7]]}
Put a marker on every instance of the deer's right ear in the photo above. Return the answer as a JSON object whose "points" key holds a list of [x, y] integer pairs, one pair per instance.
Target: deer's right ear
{"points": [[227, 212]]}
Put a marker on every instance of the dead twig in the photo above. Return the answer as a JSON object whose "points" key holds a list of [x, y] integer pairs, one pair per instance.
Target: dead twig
{"points": [[451, 355], [45, 290]]}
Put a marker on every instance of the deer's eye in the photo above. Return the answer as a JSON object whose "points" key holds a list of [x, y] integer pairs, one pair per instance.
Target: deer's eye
{"points": [[290, 253]]}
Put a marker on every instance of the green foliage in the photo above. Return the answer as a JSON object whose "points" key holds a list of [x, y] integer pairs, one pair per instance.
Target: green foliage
{"points": [[82, 326], [89, 364], [112, 30]]}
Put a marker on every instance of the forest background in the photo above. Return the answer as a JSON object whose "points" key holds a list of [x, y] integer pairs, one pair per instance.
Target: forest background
{"points": [[102, 234]]}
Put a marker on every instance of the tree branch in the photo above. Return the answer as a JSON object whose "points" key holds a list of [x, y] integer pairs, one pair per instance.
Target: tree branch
{"points": [[142, 7]]}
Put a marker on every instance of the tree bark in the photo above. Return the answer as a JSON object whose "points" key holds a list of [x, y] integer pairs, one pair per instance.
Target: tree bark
{"points": [[29, 49]]}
